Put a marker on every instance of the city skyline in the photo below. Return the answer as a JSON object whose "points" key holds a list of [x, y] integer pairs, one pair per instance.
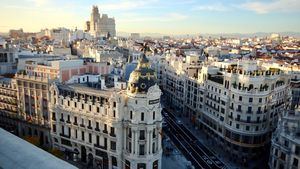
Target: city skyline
{"points": [[156, 16]]}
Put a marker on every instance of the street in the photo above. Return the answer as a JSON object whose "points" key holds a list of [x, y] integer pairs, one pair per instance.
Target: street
{"points": [[200, 156]]}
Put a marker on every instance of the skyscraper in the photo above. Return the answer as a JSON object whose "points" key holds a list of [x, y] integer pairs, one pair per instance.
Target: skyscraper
{"points": [[101, 25]]}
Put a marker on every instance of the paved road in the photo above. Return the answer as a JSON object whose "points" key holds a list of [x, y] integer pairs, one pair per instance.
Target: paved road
{"points": [[200, 156]]}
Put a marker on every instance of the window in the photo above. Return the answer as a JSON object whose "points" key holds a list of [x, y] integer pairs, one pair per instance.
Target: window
{"points": [[142, 149], [76, 134], [237, 126], [297, 150], [247, 128], [90, 123], [90, 108], [62, 130], [90, 138], [153, 134], [260, 100], [250, 100], [75, 120], [75, 104], [97, 140], [113, 145], [82, 135], [130, 114], [142, 116], [127, 164], [97, 125], [82, 106], [114, 113], [240, 98], [98, 109], [232, 96], [141, 166], [142, 134], [295, 162], [286, 143], [153, 147], [282, 156], [112, 131], [53, 116], [154, 115], [114, 161], [54, 128], [115, 104]]}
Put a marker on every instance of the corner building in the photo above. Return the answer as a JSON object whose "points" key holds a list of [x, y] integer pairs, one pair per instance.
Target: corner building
{"points": [[110, 127]]}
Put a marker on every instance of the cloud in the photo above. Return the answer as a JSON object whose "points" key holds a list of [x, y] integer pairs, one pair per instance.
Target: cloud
{"points": [[127, 4], [218, 7], [273, 6]]}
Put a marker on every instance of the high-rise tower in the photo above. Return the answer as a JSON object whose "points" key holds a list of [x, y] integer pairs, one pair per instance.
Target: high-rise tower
{"points": [[101, 25]]}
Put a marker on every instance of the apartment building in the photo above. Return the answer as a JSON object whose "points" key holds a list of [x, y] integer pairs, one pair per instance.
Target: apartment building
{"points": [[285, 149], [8, 105], [235, 102]]}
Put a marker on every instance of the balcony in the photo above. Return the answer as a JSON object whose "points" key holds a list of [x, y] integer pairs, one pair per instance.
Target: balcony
{"points": [[239, 110], [112, 134], [90, 127], [63, 135], [75, 123], [99, 146], [97, 129], [249, 112], [105, 131], [68, 121], [62, 120], [82, 125]]}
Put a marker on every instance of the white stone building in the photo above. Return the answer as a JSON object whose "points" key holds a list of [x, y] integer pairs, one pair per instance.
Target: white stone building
{"points": [[285, 149], [236, 102], [110, 127]]}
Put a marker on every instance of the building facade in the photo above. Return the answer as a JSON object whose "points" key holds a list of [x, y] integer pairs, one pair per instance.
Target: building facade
{"points": [[285, 149], [110, 127], [8, 105], [236, 103]]}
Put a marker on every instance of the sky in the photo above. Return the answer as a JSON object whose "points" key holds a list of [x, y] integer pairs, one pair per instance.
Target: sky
{"points": [[156, 16]]}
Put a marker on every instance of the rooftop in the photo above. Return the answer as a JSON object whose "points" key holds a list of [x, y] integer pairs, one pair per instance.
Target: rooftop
{"points": [[19, 154]]}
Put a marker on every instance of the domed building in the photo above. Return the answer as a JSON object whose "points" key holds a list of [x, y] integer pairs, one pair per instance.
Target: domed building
{"points": [[142, 78], [143, 124]]}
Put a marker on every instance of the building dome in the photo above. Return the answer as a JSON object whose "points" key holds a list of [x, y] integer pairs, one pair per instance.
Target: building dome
{"points": [[142, 78]]}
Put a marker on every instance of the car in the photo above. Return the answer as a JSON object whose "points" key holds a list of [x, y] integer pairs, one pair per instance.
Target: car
{"points": [[166, 114], [164, 124], [178, 121]]}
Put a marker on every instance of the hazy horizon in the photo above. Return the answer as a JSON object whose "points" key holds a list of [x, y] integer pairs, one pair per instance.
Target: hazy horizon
{"points": [[157, 16]]}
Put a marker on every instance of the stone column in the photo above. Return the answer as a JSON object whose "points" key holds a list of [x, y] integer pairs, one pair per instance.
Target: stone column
{"points": [[147, 142], [125, 137], [150, 142], [159, 139], [136, 143]]}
